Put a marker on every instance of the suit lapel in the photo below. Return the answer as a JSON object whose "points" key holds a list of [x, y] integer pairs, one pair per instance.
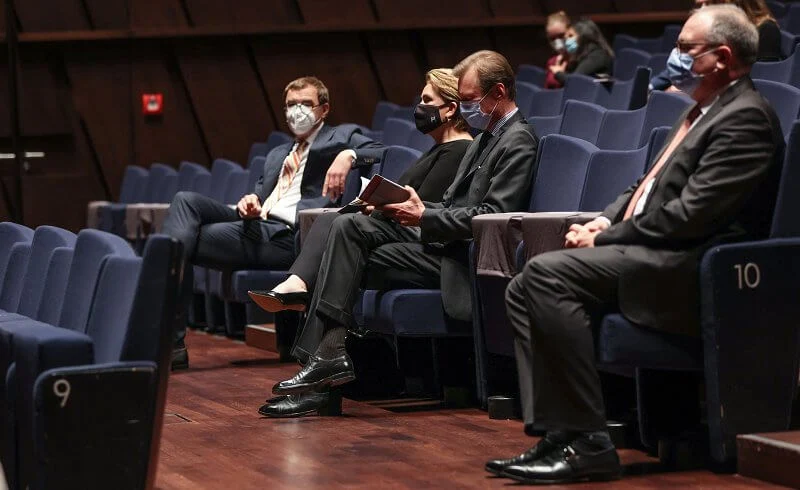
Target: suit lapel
{"points": [[487, 150]]}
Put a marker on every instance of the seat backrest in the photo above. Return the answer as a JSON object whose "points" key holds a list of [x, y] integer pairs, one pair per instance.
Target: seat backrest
{"points": [[580, 87], [45, 240], [788, 43], [625, 41], [397, 132], [420, 141], [134, 183], [777, 7], [663, 109], [582, 120], [397, 160], [111, 308], [544, 103], [193, 177], [625, 95], [236, 186], [791, 20], [92, 247], [669, 37], [627, 60], [257, 149], [52, 298], [275, 138], [383, 110], [658, 137], [11, 233], [561, 173], [254, 173], [777, 71], [621, 130], [12, 280], [525, 91], [784, 221], [610, 173], [406, 113], [784, 98], [220, 171], [544, 125], [531, 74], [162, 183]]}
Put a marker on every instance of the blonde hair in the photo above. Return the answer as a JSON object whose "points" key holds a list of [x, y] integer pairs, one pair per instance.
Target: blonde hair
{"points": [[559, 16], [303, 82], [756, 10], [446, 84]]}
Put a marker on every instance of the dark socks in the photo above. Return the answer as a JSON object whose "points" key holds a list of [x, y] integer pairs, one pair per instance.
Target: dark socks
{"points": [[332, 344]]}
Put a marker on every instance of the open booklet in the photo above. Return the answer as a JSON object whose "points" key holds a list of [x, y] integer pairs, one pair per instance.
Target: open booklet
{"points": [[377, 192]]}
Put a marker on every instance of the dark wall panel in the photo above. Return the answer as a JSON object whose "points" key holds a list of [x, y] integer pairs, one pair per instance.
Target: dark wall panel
{"points": [[174, 136], [576, 8], [40, 111], [522, 45], [153, 14], [101, 88], [109, 14], [398, 66], [67, 212], [396, 10], [446, 48], [331, 11], [339, 60], [510, 8], [49, 15], [242, 13], [226, 95], [652, 5]]}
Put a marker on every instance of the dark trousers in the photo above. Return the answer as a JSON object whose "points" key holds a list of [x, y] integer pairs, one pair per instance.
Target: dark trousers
{"points": [[360, 247], [306, 265], [551, 304], [213, 235]]}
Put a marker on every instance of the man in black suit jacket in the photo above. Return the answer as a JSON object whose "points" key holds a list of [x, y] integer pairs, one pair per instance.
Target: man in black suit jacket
{"points": [[424, 243], [216, 235], [715, 181]]}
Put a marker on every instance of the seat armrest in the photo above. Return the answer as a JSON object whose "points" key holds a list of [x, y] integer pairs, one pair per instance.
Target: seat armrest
{"points": [[544, 232], [749, 316], [93, 425]]}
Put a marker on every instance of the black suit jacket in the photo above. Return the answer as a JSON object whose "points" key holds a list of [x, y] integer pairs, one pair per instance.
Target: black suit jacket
{"points": [[329, 142], [495, 176], [718, 185]]}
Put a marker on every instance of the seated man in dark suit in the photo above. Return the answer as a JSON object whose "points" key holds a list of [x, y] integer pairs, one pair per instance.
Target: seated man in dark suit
{"points": [[259, 233], [426, 242], [715, 181]]}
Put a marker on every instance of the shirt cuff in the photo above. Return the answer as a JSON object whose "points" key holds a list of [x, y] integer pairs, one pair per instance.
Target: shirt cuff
{"points": [[603, 218], [353, 157]]}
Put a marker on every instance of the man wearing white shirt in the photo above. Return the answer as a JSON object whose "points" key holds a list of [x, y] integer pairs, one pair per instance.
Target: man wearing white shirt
{"points": [[259, 233], [715, 181]]}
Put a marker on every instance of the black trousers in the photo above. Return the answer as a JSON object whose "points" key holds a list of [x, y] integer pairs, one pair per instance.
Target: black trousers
{"points": [[362, 247], [213, 235], [551, 304], [306, 265]]}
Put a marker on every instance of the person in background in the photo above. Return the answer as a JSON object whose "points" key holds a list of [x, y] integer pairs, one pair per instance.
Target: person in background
{"points": [[769, 33], [589, 53], [431, 175], [556, 29]]}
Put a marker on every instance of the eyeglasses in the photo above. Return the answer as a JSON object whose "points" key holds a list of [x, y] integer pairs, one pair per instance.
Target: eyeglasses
{"points": [[686, 47], [306, 103]]}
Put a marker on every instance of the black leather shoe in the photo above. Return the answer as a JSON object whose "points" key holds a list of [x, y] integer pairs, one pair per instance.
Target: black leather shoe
{"points": [[275, 399], [180, 358], [274, 302], [567, 465], [325, 404], [543, 447], [318, 374]]}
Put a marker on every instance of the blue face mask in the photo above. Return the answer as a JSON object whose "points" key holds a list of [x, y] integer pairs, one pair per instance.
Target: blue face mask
{"points": [[571, 45], [679, 66], [472, 113]]}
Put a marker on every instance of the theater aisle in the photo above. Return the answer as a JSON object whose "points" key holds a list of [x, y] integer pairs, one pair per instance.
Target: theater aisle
{"points": [[213, 437]]}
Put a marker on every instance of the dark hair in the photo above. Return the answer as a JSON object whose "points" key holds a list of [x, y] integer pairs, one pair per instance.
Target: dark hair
{"points": [[308, 81], [589, 34]]}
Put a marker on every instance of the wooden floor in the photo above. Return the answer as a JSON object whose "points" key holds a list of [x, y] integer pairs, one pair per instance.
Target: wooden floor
{"points": [[213, 437]]}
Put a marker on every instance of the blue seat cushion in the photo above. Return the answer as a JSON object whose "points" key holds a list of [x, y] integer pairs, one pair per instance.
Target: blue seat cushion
{"points": [[618, 342], [243, 281], [415, 312]]}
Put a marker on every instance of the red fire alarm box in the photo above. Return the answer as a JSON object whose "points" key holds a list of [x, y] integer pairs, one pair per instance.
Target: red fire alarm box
{"points": [[152, 104]]}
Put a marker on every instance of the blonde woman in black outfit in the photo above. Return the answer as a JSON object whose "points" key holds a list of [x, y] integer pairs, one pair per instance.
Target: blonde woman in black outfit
{"points": [[436, 115], [589, 52]]}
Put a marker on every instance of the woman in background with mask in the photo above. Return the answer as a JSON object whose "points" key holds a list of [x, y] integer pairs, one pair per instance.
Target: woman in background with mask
{"points": [[436, 115], [589, 52], [556, 30]]}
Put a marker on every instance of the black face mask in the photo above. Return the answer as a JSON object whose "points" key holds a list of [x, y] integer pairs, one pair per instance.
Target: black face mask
{"points": [[427, 118]]}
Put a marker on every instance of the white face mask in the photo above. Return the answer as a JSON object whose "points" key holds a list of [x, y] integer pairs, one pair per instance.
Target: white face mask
{"points": [[300, 119], [558, 45]]}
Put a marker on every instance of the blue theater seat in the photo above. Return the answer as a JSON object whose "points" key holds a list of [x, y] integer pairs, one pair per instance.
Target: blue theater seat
{"points": [[663, 109], [532, 74], [397, 132], [627, 60], [625, 94], [784, 98]]}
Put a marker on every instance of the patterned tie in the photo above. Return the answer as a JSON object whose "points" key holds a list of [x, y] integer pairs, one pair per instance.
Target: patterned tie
{"points": [[653, 173], [291, 165]]}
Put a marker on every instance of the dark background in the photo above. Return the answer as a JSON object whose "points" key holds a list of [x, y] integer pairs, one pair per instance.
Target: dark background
{"points": [[222, 66]]}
